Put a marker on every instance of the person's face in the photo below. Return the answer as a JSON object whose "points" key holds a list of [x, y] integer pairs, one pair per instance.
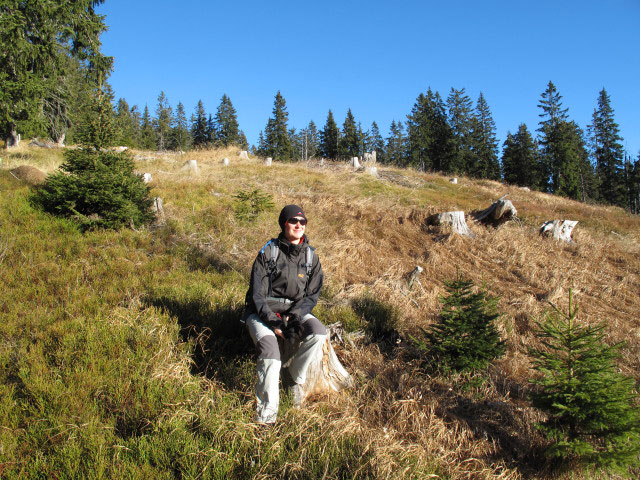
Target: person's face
{"points": [[294, 229]]}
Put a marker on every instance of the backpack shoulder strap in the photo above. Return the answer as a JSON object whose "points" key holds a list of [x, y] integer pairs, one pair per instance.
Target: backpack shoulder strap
{"points": [[308, 263]]}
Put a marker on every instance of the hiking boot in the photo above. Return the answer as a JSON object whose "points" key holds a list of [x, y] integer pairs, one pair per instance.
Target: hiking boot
{"points": [[297, 394]]}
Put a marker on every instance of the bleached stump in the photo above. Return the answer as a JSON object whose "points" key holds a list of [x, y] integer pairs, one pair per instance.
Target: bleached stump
{"points": [[244, 155], [146, 178], [355, 163], [191, 166], [13, 139], [372, 171], [157, 208], [454, 219], [499, 212], [322, 162], [60, 140], [454, 180], [413, 276], [325, 375], [370, 157], [268, 161], [225, 162], [559, 229]]}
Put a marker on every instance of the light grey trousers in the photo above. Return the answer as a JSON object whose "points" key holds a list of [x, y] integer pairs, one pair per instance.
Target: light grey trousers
{"points": [[269, 362]]}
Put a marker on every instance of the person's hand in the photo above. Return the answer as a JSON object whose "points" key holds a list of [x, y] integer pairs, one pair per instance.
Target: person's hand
{"points": [[278, 332]]}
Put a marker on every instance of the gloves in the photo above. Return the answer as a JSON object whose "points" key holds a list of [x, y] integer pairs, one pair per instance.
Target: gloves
{"points": [[293, 327]]}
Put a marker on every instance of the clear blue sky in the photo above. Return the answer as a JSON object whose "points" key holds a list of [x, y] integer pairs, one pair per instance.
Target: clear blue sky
{"points": [[375, 57]]}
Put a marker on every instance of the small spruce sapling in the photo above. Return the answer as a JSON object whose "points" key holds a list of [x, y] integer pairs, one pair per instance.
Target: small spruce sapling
{"points": [[592, 420], [465, 337]]}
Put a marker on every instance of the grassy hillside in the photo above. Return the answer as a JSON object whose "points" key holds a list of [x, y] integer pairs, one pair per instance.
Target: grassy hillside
{"points": [[122, 356]]}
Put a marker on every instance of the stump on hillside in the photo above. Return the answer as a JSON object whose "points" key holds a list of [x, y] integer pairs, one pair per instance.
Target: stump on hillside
{"points": [[192, 166], [372, 171], [355, 163], [244, 155], [225, 162], [454, 180], [158, 209], [499, 212], [146, 178], [268, 162], [559, 229], [454, 219], [326, 374]]}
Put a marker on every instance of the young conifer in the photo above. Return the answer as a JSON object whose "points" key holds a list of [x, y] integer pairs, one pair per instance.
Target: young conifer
{"points": [[591, 418], [465, 336]]}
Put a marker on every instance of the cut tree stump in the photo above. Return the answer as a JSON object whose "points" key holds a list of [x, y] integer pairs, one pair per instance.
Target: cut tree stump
{"points": [[325, 375], [244, 155], [454, 219], [355, 163], [268, 162], [499, 212], [559, 229]]}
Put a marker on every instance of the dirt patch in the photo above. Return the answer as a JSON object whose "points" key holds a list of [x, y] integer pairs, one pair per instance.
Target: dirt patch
{"points": [[29, 174]]}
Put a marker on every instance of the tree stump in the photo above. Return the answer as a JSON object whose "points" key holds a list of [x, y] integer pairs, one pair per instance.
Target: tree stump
{"points": [[355, 163], [157, 208], [454, 219], [244, 155], [146, 178], [454, 180], [60, 140], [225, 162], [370, 157], [326, 374], [372, 171], [13, 139], [192, 166], [499, 212], [559, 229], [268, 161]]}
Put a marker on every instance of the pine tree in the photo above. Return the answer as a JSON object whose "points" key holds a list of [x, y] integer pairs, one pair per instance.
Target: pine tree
{"points": [[329, 138], [608, 152], [308, 141], [465, 336], [276, 133], [634, 187], [520, 159], [430, 139], [553, 116], [349, 145], [574, 176], [242, 141], [199, 127], [96, 187], [163, 121], [375, 143], [180, 137], [460, 118], [396, 145], [126, 125], [484, 143], [226, 130], [591, 416], [147, 133]]}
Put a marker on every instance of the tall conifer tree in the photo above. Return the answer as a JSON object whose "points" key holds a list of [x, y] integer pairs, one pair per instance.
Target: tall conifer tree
{"points": [[147, 133], [199, 129], [278, 143], [163, 122], [396, 151], [485, 143], [349, 145], [552, 118], [520, 159], [460, 117], [608, 152], [375, 143], [180, 137], [329, 138], [226, 130]]}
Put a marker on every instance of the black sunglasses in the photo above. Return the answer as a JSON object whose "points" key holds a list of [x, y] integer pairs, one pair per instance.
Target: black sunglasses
{"points": [[293, 221]]}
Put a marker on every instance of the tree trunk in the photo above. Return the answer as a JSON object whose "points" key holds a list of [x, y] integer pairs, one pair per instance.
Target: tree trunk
{"points": [[60, 140], [559, 229], [499, 212], [13, 140], [454, 219], [325, 375]]}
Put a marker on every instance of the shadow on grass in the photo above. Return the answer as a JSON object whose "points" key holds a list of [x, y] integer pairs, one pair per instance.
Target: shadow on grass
{"points": [[222, 349], [504, 424], [380, 321]]}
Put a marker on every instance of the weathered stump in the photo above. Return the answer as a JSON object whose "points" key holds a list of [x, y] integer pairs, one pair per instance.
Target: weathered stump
{"points": [[497, 213], [326, 374], [370, 157], [60, 140], [13, 139], [146, 178], [268, 161], [37, 143], [454, 219], [559, 229], [225, 162], [372, 171], [454, 180], [244, 155], [355, 163], [157, 208], [192, 166]]}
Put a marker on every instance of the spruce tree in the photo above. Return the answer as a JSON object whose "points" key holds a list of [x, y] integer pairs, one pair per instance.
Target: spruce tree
{"points": [[147, 133], [180, 137], [396, 153], [608, 152], [430, 138], [591, 416], [199, 127], [163, 122], [126, 125], [521, 159], [375, 143], [465, 337], [96, 187], [460, 118], [276, 133], [329, 138], [226, 130], [349, 144], [484, 143]]}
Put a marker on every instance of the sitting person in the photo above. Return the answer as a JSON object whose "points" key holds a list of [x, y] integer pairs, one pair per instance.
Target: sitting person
{"points": [[286, 279]]}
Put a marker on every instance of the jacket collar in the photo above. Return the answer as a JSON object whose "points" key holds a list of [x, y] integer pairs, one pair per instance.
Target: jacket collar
{"points": [[288, 247]]}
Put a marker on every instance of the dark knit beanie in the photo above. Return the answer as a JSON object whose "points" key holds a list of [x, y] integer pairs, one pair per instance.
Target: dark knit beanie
{"points": [[288, 212]]}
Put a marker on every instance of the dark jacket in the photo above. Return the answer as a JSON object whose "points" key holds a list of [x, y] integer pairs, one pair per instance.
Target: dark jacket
{"points": [[289, 280]]}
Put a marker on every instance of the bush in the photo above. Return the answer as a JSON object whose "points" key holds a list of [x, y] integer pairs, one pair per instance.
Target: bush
{"points": [[592, 420], [98, 189], [465, 337], [251, 203]]}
